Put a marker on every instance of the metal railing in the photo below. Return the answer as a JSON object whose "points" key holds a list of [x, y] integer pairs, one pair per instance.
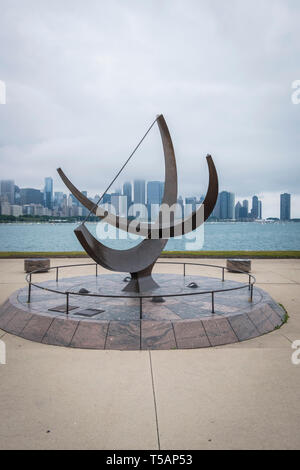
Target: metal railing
{"points": [[249, 285]]}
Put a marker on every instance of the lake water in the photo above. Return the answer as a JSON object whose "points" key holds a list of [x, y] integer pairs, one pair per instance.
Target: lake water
{"points": [[213, 236]]}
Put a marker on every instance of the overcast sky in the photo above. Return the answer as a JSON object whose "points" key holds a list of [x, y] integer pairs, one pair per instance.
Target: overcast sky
{"points": [[85, 79]]}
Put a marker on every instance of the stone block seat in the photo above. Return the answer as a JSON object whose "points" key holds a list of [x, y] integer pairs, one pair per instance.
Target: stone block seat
{"points": [[237, 265], [41, 265]]}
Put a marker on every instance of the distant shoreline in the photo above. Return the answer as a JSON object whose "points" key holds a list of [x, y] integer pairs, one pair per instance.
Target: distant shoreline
{"points": [[288, 254], [9, 220], [72, 222]]}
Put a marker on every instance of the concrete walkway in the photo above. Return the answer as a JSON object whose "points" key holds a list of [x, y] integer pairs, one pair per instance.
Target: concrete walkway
{"points": [[241, 396]]}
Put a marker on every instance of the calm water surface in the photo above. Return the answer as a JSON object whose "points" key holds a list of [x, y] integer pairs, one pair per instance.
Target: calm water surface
{"points": [[214, 236]]}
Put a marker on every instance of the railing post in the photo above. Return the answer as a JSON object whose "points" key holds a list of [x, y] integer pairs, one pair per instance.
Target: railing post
{"points": [[141, 308], [249, 282], [29, 290], [57, 274], [212, 302], [96, 270], [183, 269], [251, 293], [223, 276], [67, 306]]}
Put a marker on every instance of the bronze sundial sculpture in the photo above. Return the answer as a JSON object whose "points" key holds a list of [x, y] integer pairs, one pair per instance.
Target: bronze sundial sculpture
{"points": [[139, 260], [180, 324]]}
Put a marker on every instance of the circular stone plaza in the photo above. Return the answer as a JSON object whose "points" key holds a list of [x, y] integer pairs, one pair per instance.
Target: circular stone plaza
{"points": [[186, 311]]}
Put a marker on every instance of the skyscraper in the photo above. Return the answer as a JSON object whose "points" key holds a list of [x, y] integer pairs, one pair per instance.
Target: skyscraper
{"points": [[119, 202], [256, 211], [237, 210], [223, 204], [259, 209], [179, 208], [17, 195], [84, 210], [8, 191], [285, 206], [190, 205], [246, 206], [48, 193], [75, 201], [139, 191], [65, 205], [31, 196], [58, 199], [162, 190], [127, 191], [226, 205], [216, 211], [154, 192], [231, 201], [105, 200], [243, 213]]}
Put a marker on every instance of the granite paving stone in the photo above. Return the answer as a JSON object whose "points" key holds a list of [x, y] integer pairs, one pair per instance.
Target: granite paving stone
{"points": [[243, 327], [261, 321], [190, 334], [157, 335], [90, 335], [60, 332], [18, 322], [36, 328], [123, 335], [7, 312], [219, 331]]}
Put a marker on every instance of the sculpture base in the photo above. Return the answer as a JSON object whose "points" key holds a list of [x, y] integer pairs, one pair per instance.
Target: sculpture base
{"points": [[114, 323], [141, 284], [141, 281]]}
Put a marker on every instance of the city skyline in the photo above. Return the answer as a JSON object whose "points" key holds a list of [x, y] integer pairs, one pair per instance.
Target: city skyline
{"points": [[269, 200], [145, 192]]}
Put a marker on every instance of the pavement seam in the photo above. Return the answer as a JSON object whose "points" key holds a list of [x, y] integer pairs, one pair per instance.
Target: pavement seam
{"points": [[233, 330], [141, 335], [174, 335], [77, 326], [276, 283], [47, 330], [204, 329], [285, 277], [154, 399], [255, 327], [288, 339], [20, 334], [11, 319], [106, 336]]}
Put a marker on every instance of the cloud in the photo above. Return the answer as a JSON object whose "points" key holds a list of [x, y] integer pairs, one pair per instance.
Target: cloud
{"points": [[85, 79]]}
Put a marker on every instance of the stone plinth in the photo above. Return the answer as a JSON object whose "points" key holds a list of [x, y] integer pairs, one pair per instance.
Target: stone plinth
{"points": [[40, 265], [238, 265]]}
